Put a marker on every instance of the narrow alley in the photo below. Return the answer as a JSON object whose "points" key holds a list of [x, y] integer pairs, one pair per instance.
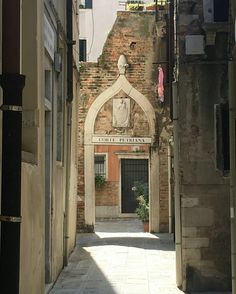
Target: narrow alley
{"points": [[120, 259]]}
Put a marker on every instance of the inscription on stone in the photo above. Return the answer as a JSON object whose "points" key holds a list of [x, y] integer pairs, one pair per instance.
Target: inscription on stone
{"points": [[121, 140]]}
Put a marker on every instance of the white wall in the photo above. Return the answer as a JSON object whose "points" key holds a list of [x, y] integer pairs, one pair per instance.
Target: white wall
{"points": [[96, 23]]}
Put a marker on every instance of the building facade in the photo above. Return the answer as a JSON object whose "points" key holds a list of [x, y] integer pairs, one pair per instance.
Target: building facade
{"points": [[49, 136], [201, 146], [96, 19], [232, 100], [124, 124]]}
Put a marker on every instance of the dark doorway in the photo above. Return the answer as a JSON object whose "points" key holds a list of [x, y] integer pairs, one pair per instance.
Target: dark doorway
{"points": [[132, 170]]}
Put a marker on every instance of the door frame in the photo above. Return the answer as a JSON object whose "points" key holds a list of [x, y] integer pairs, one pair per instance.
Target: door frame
{"points": [[130, 156]]}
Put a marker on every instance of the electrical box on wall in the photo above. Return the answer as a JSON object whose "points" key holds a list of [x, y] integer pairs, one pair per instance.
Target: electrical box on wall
{"points": [[194, 45]]}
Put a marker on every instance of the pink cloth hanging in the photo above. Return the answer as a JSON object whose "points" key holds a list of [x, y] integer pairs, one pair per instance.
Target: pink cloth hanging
{"points": [[160, 84]]}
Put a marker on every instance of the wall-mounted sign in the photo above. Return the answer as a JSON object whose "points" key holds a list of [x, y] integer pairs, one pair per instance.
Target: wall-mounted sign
{"points": [[121, 140], [49, 38], [194, 44]]}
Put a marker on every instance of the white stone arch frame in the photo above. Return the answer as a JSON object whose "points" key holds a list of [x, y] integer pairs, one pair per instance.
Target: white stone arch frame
{"points": [[121, 84]]}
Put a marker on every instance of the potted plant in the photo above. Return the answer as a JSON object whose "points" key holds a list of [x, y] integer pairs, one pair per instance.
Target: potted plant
{"points": [[99, 181], [141, 191], [143, 211]]}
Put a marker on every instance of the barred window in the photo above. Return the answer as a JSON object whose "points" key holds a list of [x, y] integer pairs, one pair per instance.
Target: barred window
{"points": [[100, 165]]}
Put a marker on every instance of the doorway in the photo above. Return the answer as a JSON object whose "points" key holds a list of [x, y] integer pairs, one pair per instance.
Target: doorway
{"points": [[132, 170]]}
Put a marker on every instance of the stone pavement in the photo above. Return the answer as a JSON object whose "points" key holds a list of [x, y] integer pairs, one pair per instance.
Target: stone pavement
{"points": [[120, 259]]}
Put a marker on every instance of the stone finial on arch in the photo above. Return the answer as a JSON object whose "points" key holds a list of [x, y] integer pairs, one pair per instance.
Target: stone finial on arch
{"points": [[122, 64]]}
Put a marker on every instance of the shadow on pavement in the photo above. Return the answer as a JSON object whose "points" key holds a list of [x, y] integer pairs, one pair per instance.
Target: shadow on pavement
{"points": [[82, 276], [119, 258]]}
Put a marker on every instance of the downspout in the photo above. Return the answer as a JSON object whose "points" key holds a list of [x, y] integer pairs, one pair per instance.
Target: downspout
{"points": [[232, 115], [170, 56], [178, 243], [67, 197], [156, 12], [12, 83], [171, 53], [169, 184], [70, 43]]}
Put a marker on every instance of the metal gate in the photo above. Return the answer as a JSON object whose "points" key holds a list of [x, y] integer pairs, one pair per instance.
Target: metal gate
{"points": [[132, 170]]}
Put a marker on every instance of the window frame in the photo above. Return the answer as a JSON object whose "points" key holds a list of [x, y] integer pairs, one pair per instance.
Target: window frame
{"points": [[60, 109], [84, 53], [105, 155], [87, 4]]}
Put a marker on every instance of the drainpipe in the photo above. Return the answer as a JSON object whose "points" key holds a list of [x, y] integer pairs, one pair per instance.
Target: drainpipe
{"points": [[232, 130], [178, 244], [171, 52], [68, 179], [156, 12], [12, 83], [70, 43], [169, 184]]}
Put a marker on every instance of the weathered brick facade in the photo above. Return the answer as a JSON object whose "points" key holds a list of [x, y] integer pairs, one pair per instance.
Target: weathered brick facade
{"points": [[136, 36], [202, 189]]}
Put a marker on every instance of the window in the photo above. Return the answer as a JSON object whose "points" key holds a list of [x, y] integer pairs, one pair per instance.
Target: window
{"points": [[100, 165], [82, 50], [60, 116], [48, 85], [215, 10], [222, 137], [86, 4], [221, 10]]}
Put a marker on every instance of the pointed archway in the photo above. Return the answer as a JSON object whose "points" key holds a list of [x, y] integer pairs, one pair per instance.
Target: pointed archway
{"points": [[120, 84]]}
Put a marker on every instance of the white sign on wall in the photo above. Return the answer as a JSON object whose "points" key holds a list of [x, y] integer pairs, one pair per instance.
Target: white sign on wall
{"points": [[194, 44], [49, 38], [120, 140]]}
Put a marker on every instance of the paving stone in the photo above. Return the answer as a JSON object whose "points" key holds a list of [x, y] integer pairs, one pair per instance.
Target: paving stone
{"points": [[120, 259]]}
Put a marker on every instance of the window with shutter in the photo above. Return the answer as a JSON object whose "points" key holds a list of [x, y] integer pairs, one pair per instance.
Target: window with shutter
{"points": [[222, 137]]}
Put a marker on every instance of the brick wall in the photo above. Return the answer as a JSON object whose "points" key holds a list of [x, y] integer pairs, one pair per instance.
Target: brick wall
{"points": [[134, 34], [164, 190], [107, 195]]}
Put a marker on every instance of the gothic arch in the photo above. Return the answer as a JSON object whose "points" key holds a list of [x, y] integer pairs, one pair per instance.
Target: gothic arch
{"points": [[121, 84]]}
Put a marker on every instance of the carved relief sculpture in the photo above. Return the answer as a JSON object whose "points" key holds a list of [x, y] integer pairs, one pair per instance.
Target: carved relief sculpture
{"points": [[121, 113]]}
